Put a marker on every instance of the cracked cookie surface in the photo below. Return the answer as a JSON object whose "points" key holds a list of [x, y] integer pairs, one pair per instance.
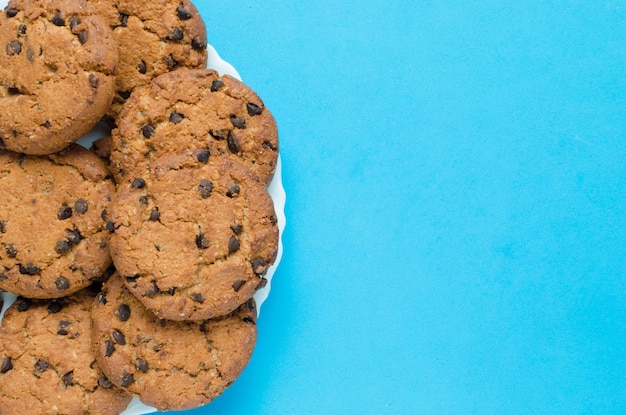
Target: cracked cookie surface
{"points": [[53, 240], [195, 110], [57, 73], [155, 37], [47, 365], [194, 238], [169, 365]]}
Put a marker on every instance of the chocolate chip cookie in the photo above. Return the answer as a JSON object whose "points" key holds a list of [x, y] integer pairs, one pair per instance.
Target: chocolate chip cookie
{"points": [[53, 240], [169, 365], [57, 73], [194, 110], [194, 238], [155, 37], [47, 364]]}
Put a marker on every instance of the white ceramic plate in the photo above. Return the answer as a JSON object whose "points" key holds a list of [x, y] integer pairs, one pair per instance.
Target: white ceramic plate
{"points": [[275, 188]]}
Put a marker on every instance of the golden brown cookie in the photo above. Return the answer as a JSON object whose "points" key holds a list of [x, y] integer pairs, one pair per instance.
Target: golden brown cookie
{"points": [[169, 365], [194, 238], [53, 240], [47, 364], [194, 110], [155, 37], [57, 73]]}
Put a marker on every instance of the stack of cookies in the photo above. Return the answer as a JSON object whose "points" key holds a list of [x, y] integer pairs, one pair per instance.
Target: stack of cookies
{"points": [[135, 263]]}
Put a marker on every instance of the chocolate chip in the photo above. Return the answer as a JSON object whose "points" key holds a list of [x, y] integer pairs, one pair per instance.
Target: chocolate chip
{"points": [[219, 134], [104, 382], [11, 250], [83, 36], [123, 312], [68, 378], [3, 227], [29, 269], [127, 378], [119, 337], [262, 284], [197, 297], [138, 183], [13, 48], [233, 143], [123, 20], [109, 348], [102, 297], [141, 365], [124, 95], [104, 245], [62, 283], [233, 190], [236, 228], [259, 266], [237, 285], [253, 109], [198, 44], [94, 81], [12, 12], [103, 214], [233, 245], [183, 14], [74, 21], [170, 61], [238, 122], [62, 247], [13, 90], [81, 206], [147, 131], [47, 124], [58, 20], [63, 325], [216, 85], [41, 366], [205, 188], [142, 68], [65, 212], [176, 34], [176, 117], [73, 236], [56, 306], [203, 156], [23, 304], [7, 365], [21, 30], [143, 200], [132, 279], [202, 242], [155, 215], [154, 290], [267, 144], [110, 226]]}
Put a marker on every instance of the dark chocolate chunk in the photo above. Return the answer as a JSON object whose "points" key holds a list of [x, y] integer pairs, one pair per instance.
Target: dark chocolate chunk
{"points": [[202, 241], [21, 30], [127, 378], [124, 95], [141, 365], [176, 34], [63, 325], [132, 279], [238, 284], [29, 269], [170, 61], [47, 124], [110, 226], [123, 312], [142, 68], [13, 90], [155, 215], [68, 378], [13, 48], [197, 297], [119, 337], [104, 382], [81, 206], [236, 228], [62, 247], [12, 12], [183, 14], [102, 297], [74, 21], [41, 366], [233, 190], [176, 117], [23, 304], [94, 81], [73, 236], [3, 227], [233, 143], [233, 245], [259, 266], [11, 250], [203, 156], [198, 44], [58, 20], [143, 200], [138, 183], [83, 36], [56, 306], [109, 348], [253, 109], [205, 188], [103, 214], [238, 122], [65, 212], [147, 131], [154, 290], [7, 365], [123, 20], [216, 85], [267, 144], [62, 283]]}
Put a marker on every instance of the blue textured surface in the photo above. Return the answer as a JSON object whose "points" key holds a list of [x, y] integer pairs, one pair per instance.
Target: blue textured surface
{"points": [[456, 192]]}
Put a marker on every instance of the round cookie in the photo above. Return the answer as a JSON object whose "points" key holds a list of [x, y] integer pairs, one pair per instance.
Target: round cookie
{"points": [[57, 73], [195, 110], [47, 364], [155, 37], [53, 240], [169, 365], [194, 238]]}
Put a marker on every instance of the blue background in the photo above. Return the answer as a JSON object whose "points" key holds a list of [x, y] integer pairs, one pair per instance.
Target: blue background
{"points": [[456, 182]]}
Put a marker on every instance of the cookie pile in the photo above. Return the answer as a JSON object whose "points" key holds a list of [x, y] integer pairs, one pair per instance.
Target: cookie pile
{"points": [[135, 262]]}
